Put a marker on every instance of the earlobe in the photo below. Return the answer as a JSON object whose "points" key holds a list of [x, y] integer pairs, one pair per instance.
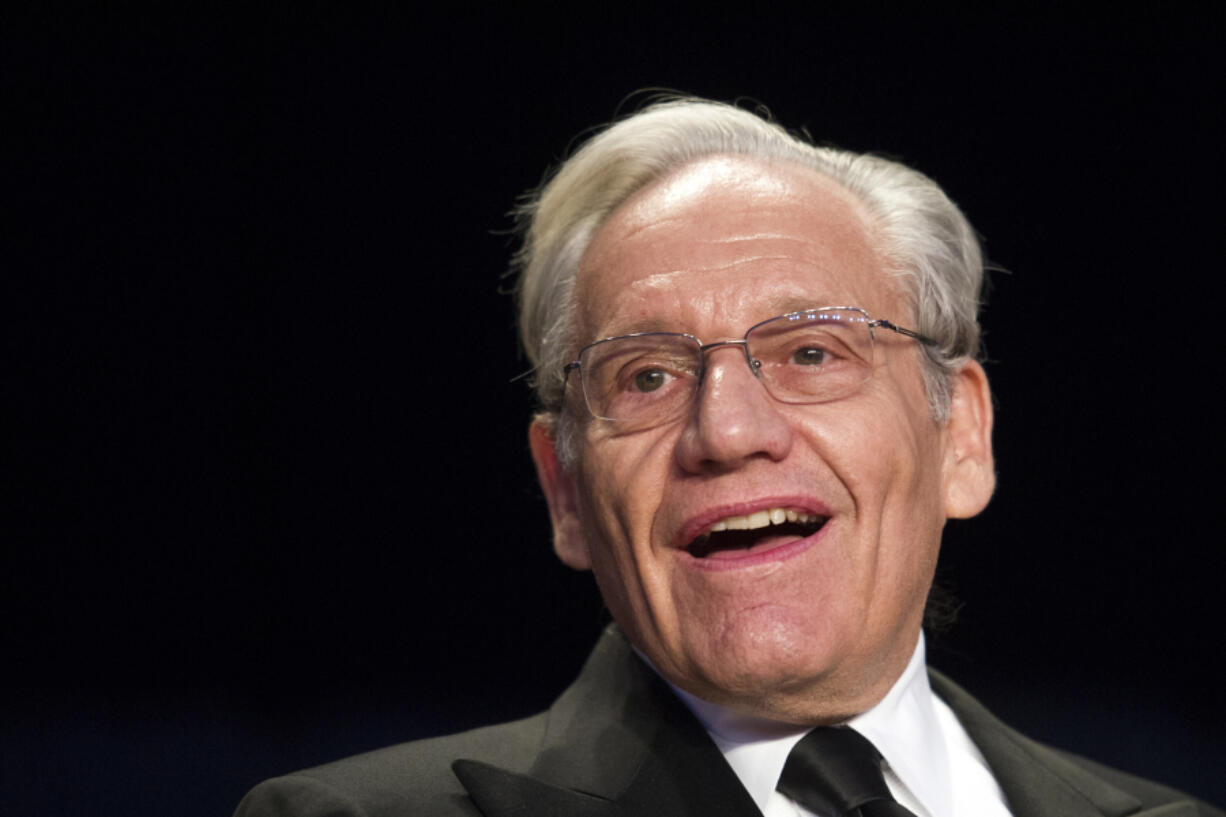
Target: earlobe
{"points": [[970, 475], [561, 494]]}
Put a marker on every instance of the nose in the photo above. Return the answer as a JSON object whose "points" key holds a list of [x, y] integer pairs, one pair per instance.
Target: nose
{"points": [[734, 419]]}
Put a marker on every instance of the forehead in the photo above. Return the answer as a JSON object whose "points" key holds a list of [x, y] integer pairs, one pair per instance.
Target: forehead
{"points": [[725, 242]]}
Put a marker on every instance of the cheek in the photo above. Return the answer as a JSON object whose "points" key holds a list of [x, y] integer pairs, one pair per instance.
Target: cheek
{"points": [[886, 463], [622, 488], [621, 492], [901, 491], [887, 455]]}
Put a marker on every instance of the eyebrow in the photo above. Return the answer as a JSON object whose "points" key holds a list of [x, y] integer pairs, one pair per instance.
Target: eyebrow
{"points": [[802, 304], [645, 325]]}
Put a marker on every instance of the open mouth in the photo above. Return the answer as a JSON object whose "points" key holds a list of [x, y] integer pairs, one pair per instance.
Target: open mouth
{"points": [[756, 531]]}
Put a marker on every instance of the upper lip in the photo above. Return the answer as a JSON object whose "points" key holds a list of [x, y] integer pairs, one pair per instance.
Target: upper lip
{"points": [[704, 521]]}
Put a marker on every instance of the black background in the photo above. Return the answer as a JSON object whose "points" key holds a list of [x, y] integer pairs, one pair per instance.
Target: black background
{"points": [[266, 485]]}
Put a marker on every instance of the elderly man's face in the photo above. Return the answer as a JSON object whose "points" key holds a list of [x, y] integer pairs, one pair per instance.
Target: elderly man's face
{"points": [[805, 625]]}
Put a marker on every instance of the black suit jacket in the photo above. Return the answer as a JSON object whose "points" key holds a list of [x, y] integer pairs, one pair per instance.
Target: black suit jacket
{"points": [[619, 742]]}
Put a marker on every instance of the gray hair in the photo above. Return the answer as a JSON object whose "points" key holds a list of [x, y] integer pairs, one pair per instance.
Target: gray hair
{"points": [[925, 240]]}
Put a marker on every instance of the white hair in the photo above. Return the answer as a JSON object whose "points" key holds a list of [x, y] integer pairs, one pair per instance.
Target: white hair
{"points": [[925, 240]]}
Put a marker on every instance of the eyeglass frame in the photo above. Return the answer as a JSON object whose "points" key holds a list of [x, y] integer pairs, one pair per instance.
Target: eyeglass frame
{"points": [[754, 365]]}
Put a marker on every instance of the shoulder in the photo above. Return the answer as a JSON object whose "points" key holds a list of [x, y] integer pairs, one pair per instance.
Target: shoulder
{"points": [[1150, 793], [572, 738], [402, 779], [1039, 779]]}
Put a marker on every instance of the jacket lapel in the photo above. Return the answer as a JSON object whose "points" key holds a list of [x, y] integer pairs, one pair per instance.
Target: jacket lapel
{"points": [[618, 742]]}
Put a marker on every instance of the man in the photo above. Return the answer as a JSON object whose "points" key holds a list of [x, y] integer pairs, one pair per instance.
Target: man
{"points": [[760, 403]]}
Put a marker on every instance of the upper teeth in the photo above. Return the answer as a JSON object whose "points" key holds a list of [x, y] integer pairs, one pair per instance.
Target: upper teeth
{"points": [[760, 519]]}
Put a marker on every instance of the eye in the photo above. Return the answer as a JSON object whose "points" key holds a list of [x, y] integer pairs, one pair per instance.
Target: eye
{"points": [[809, 356], [649, 380]]}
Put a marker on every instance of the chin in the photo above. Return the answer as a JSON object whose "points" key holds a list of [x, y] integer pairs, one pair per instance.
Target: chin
{"points": [[751, 667]]}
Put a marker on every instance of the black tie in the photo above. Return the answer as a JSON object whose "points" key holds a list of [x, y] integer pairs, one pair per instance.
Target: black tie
{"points": [[836, 771]]}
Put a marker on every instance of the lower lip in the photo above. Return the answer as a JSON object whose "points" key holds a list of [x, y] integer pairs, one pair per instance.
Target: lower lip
{"points": [[738, 560]]}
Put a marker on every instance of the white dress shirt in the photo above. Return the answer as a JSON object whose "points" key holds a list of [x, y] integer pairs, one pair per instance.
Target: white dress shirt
{"points": [[931, 766]]}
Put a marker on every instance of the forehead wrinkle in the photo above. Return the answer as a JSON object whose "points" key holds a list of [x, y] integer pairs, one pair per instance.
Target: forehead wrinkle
{"points": [[727, 249], [661, 280], [641, 229], [760, 236]]}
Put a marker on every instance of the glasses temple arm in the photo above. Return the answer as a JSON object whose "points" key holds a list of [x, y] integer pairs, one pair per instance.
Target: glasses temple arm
{"points": [[893, 327]]}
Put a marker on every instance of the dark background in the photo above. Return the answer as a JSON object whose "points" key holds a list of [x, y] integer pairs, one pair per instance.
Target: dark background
{"points": [[266, 485]]}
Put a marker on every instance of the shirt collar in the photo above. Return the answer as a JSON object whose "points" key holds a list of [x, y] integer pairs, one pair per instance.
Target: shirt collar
{"points": [[903, 726]]}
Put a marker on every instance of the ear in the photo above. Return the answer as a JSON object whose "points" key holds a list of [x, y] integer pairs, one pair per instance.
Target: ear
{"points": [[569, 541], [970, 471]]}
